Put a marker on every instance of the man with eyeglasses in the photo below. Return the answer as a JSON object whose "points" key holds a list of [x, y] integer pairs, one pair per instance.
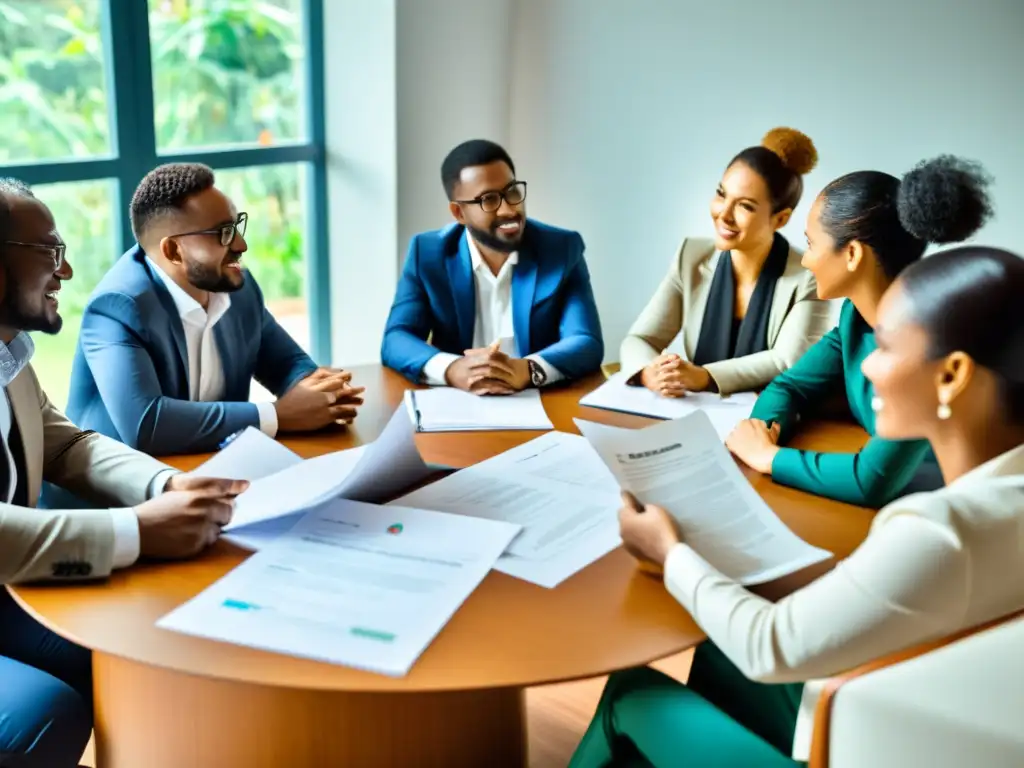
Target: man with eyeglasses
{"points": [[145, 508], [495, 302], [176, 331]]}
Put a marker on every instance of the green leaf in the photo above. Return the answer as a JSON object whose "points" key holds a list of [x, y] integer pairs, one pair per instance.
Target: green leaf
{"points": [[74, 47]]}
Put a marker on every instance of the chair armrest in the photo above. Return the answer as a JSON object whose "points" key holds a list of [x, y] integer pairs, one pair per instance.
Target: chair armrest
{"points": [[823, 709]]}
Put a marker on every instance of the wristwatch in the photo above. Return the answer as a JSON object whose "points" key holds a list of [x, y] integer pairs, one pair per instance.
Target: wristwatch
{"points": [[537, 375]]}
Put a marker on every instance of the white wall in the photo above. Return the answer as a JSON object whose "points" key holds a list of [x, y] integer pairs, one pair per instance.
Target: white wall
{"points": [[362, 173], [624, 112], [406, 80], [453, 84]]}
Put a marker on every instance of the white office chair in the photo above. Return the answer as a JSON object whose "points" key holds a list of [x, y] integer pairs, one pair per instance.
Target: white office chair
{"points": [[954, 703]]}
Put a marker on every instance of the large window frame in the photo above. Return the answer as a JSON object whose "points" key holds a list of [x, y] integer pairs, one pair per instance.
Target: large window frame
{"points": [[131, 111]]}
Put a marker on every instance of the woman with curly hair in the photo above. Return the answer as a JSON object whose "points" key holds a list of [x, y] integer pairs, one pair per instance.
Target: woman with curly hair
{"points": [[948, 369], [746, 308], [863, 230]]}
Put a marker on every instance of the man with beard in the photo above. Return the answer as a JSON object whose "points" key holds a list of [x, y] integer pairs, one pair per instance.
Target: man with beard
{"points": [[505, 301], [145, 508], [176, 331]]}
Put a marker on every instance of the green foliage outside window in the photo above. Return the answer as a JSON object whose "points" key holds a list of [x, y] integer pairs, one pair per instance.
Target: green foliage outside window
{"points": [[226, 73]]}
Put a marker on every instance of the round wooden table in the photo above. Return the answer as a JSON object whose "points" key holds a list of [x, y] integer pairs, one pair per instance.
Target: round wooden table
{"points": [[166, 700]]}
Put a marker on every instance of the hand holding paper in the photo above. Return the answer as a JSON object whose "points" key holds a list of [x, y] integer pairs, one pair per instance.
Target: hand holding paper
{"points": [[683, 467], [648, 533]]}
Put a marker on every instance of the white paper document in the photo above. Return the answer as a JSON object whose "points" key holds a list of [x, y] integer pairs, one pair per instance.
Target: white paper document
{"points": [[724, 412], [555, 487], [446, 409], [351, 583], [273, 501], [249, 456], [683, 466]]}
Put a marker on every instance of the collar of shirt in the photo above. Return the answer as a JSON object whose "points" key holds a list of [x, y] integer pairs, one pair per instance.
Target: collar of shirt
{"points": [[190, 310], [15, 356], [476, 260]]}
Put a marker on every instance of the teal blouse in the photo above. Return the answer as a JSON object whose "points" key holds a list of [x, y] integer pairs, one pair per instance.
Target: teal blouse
{"points": [[883, 468]]}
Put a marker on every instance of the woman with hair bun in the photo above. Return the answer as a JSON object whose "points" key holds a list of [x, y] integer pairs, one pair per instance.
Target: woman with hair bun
{"points": [[745, 306], [863, 230], [948, 369]]}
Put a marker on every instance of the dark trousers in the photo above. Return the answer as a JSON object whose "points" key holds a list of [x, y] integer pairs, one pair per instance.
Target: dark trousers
{"points": [[45, 693]]}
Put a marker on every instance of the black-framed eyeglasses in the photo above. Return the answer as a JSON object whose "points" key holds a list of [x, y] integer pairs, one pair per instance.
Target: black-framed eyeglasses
{"points": [[55, 252], [513, 194], [226, 232]]}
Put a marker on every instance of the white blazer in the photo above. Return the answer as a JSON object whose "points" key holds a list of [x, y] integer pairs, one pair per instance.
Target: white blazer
{"points": [[932, 564]]}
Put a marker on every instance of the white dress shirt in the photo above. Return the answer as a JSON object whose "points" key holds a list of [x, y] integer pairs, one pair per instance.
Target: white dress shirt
{"points": [[205, 369], [493, 318], [13, 358], [932, 564]]}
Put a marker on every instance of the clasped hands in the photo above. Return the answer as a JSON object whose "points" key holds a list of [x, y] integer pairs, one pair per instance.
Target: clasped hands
{"points": [[671, 376], [488, 371], [324, 397]]}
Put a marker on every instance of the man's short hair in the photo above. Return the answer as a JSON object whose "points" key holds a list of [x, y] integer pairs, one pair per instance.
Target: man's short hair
{"points": [[10, 188], [165, 189], [466, 155]]}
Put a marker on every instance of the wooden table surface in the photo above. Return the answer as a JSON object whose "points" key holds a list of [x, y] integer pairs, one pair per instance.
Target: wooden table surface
{"points": [[509, 633]]}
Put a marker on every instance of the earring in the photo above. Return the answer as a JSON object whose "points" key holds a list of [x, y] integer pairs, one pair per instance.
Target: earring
{"points": [[850, 267], [944, 411]]}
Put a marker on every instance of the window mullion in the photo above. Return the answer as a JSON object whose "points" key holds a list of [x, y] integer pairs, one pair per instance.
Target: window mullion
{"points": [[126, 24]]}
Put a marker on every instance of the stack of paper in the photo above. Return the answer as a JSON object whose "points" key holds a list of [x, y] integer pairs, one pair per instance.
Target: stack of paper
{"points": [[283, 486], [353, 584], [555, 487], [683, 467], [446, 409], [724, 412]]}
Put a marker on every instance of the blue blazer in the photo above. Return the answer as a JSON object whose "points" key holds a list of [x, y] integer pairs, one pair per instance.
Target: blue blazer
{"points": [[129, 379], [553, 309]]}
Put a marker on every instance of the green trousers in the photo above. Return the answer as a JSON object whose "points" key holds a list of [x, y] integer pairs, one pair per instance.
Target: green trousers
{"points": [[720, 719]]}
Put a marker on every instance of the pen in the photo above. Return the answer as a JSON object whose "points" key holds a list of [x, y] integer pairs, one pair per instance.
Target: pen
{"points": [[227, 440], [415, 410]]}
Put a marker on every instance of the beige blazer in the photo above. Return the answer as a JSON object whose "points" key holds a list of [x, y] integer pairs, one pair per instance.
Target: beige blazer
{"points": [[932, 564], [72, 544], [797, 319]]}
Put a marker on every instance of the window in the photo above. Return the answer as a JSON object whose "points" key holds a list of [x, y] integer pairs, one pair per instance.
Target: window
{"points": [[96, 93], [84, 212], [272, 196], [227, 73], [53, 89]]}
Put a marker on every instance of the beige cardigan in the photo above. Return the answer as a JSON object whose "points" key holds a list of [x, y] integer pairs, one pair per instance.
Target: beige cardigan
{"points": [[40, 543], [797, 319]]}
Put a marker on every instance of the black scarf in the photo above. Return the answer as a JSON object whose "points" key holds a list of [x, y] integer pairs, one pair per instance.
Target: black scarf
{"points": [[19, 494], [715, 341]]}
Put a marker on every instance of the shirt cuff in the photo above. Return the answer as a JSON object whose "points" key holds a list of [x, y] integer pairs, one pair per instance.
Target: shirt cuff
{"points": [[268, 418], [159, 481], [636, 380], [552, 373], [126, 536], [434, 370]]}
